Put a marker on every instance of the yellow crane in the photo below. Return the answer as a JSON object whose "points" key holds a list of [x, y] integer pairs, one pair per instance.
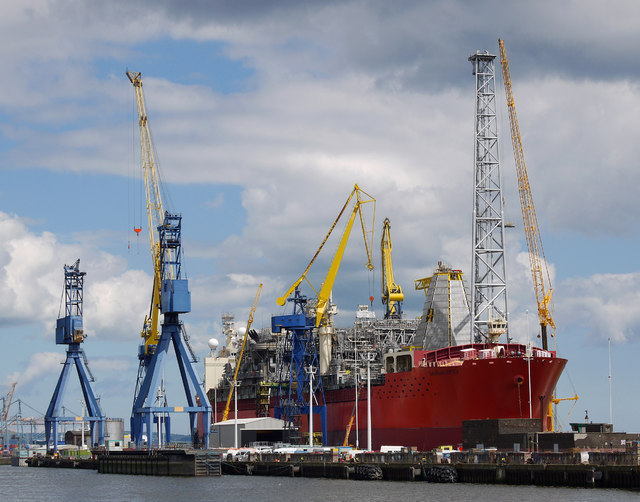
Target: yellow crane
{"points": [[537, 261], [5, 412], [555, 401], [352, 418], [392, 295], [323, 296], [155, 213], [239, 359]]}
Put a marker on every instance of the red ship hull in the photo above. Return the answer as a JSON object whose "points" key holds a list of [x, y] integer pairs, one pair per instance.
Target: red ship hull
{"points": [[425, 406]]}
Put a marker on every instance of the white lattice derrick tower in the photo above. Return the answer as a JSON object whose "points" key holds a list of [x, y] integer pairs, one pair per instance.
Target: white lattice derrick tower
{"points": [[489, 287]]}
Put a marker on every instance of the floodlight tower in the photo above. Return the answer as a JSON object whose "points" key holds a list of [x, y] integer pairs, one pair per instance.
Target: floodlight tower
{"points": [[489, 290], [69, 331]]}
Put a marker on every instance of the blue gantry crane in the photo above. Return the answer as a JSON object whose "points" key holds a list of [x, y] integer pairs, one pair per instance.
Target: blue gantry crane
{"points": [[70, 332], [170, 297], [299, 363], [309, 324], [175, 299]]}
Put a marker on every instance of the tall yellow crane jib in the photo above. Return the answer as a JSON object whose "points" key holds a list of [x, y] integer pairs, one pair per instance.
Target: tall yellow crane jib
{"points": [[155, 212], [283, 299], [537, 260], [239, 359], [391, 292], [323, 296]]}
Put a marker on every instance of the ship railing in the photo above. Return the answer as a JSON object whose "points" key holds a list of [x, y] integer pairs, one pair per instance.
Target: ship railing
{"points": [[479, 351], [441, 364]]}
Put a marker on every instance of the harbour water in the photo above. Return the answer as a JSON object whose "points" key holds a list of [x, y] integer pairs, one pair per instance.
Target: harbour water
{"points": [[68, 485]]}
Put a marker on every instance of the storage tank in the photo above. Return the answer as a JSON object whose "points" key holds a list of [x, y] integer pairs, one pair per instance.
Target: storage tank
{"points": [[114, 429]]}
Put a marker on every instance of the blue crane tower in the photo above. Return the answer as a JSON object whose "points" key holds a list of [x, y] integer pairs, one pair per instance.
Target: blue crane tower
{"points": [[69, 331], [175, 299], [299, 362]]}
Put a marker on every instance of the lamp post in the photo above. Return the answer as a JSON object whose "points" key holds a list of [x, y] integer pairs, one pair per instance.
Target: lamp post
{"points": [[369, 356], [529, 354], [311, 371], [82, 411], [369, 427], [357, 375], [235, 419], [215, 405], [610, 389]]}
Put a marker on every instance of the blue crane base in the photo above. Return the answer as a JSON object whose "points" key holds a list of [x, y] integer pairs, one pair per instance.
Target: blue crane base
{"points": [[94, 413], [143, 415], [291, 401]]}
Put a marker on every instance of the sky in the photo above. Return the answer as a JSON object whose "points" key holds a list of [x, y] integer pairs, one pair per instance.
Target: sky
{"points": [[264, 115]]}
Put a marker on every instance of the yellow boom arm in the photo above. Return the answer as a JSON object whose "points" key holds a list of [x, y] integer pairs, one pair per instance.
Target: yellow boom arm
{"points": [[391, 292], [537, 261], [323, 297], [556, 401], [244, 342], [155, 212]]}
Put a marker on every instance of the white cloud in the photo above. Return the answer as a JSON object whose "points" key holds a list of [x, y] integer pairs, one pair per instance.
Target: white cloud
{"points": [[581, 177], [31, 274], [602, 306], [116, 306], [42, 366], [32, 283]]}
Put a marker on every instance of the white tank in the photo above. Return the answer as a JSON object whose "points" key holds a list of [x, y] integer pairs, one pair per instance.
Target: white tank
{"points": [[114, 429]]}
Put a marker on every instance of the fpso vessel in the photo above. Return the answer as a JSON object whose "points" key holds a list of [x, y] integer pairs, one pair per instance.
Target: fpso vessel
{"points": [[425, 377]]}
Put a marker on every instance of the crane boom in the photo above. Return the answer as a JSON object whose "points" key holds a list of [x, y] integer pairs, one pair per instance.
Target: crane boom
{"points": [[537, 261], [551, 414], [244, 341], [155, 211], [392, 295], [323, 296], [5, 412]]}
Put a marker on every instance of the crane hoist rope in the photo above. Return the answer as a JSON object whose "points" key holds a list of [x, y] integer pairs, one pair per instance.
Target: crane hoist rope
{"points": [[537, 260], [392, 295], [244, 342], [325, 291], [155, 211]]}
